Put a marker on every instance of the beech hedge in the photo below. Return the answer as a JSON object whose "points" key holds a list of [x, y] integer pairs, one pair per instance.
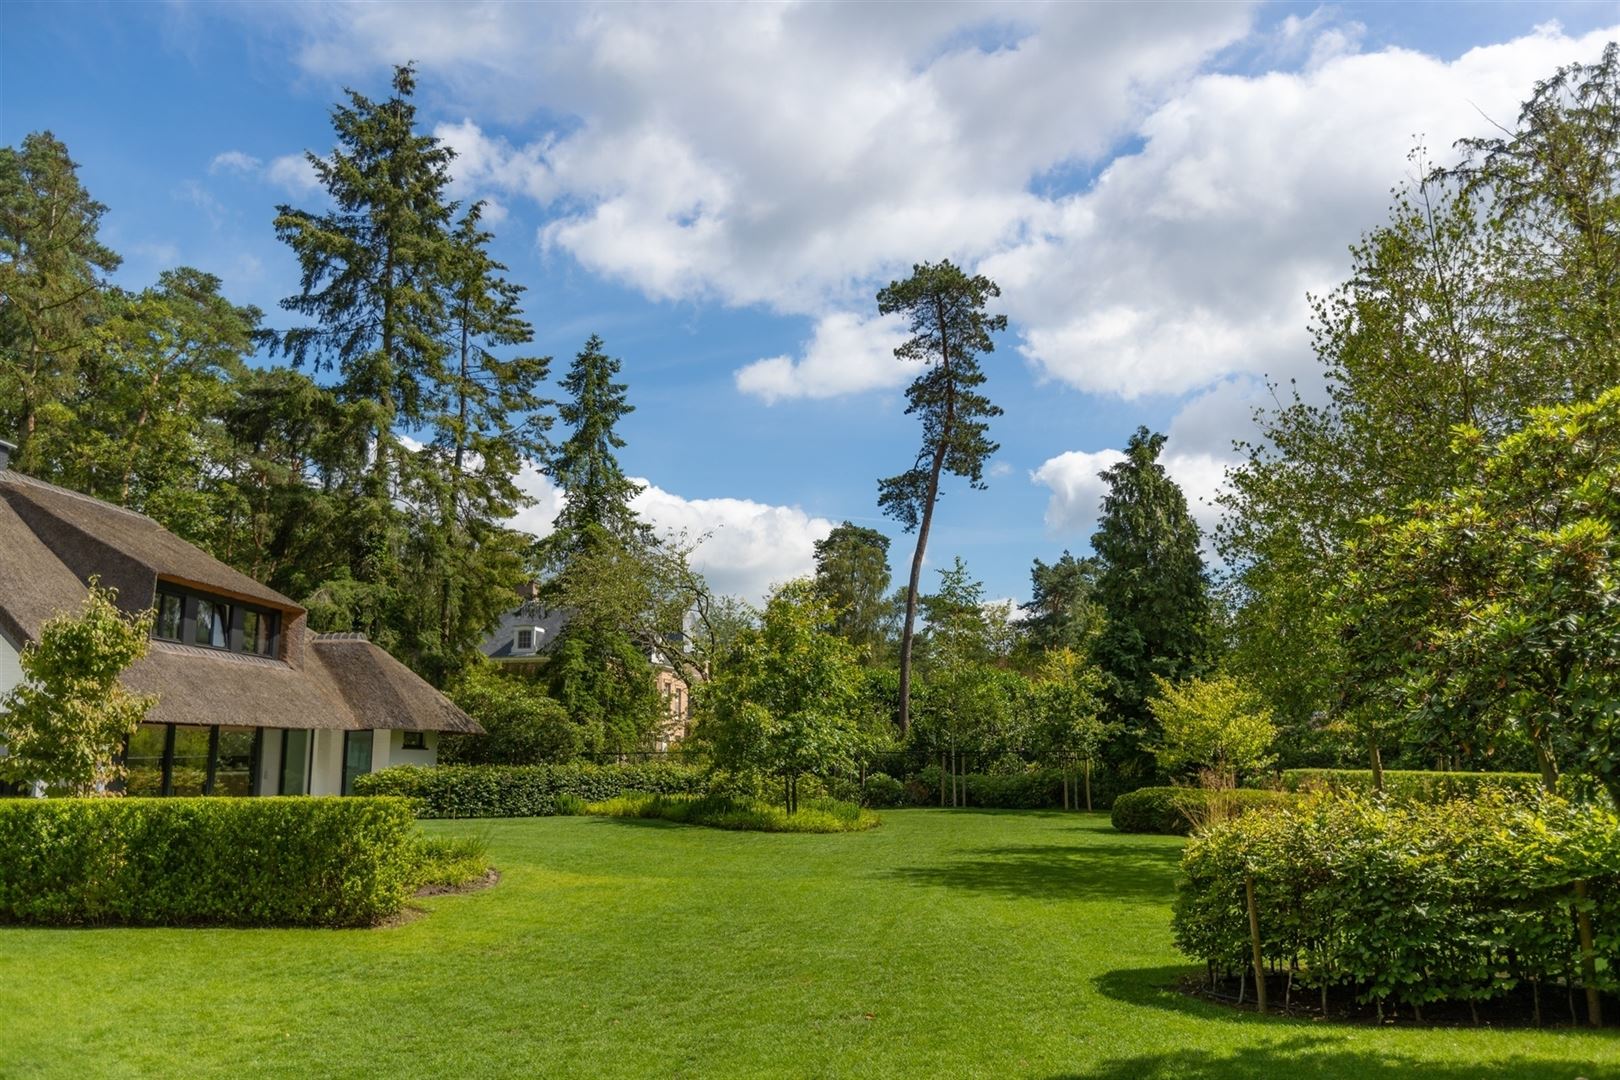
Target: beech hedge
{"points": [[1414, 785], [1171, 811], [1412, 903], [485, 791], [205, 861]]}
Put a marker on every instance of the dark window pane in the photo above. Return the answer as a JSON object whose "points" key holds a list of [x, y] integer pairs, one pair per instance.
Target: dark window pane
{"points": [[294, 763], [356, 756], [252, 623], [190, 770], [233, 768], [213, 623], [525, 639], [414, 740], [145, 760], [168, 617]]}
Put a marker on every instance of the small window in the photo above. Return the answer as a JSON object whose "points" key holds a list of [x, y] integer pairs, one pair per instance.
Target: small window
{"points": [[213, 623], [169, 612], [415, 740], [525, 639]]}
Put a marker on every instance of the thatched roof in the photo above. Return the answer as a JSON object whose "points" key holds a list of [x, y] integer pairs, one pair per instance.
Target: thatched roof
{"points": [[34, 585], [52, 541], [380, 691], [123, 547]]}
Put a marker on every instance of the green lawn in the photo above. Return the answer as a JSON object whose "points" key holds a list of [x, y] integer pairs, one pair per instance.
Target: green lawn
{"points": [[943, 944]]}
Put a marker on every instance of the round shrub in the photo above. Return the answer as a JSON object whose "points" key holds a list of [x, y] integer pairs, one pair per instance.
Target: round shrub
{"points": [[883, 791]]}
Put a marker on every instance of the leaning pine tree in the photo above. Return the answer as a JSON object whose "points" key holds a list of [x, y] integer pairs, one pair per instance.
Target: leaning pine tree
{"points": [[950, 328]]}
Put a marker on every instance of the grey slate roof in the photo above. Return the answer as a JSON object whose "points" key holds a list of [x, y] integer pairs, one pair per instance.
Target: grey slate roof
{"points": [[500, 644]]}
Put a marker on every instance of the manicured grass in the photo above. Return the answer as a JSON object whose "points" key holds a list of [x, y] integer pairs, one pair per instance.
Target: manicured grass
{"points": [[943, 944]]}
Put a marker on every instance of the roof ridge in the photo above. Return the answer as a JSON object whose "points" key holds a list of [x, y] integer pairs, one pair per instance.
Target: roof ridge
{"points": [[340, 635], [11, 475]]}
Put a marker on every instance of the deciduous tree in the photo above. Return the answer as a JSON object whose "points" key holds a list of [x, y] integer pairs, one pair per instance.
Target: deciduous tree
{"points": [[65, 723]]}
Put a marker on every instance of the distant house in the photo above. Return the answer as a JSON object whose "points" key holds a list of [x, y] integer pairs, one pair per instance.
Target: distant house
{"points": [[526, 635], [250, 701]]}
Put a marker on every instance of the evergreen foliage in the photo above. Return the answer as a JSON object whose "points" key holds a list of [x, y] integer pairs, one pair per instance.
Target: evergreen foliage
{"points": [[1150, 585], [945, 312]]}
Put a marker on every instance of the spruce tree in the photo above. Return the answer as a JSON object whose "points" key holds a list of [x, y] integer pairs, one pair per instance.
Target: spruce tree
{"points": [[51, 288], [596, 493], [373, 277], [1152, 586], [493, 421]]}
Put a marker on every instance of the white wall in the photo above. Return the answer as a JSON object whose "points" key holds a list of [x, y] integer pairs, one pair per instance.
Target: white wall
{"points": [[10, 670], [326, 775], [398, 755], [270, 761]]}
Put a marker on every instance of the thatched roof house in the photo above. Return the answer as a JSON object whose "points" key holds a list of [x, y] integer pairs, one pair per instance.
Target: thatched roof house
{"points": [[249, 699]]}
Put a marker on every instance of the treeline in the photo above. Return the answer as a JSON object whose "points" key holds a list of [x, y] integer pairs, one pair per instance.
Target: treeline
{"points": [[1424, 563]]}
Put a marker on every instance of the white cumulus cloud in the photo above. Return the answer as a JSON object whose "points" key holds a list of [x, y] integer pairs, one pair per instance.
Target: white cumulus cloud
{"points": [[847, 353], [747, 546]]}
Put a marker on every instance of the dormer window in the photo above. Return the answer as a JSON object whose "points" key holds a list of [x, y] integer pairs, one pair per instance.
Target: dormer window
{"points": [[214, 623], [525, 640]]}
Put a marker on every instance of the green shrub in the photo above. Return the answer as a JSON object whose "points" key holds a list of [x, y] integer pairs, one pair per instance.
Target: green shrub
{"points": [[570, 805], [449, 862], [1413, 902], [477, 791], [883, 791], [1174, 811], [213, 861], [749, 815], [1414, 785], [1027, 789]]}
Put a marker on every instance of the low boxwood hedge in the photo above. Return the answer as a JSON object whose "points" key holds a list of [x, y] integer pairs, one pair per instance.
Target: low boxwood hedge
{"points": [[1173, 810], [481, 791], [207, 861], [1411, 785]]}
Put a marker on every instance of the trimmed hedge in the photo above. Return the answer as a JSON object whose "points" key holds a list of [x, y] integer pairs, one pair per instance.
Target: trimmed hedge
{"points": [[480, 791], [1411, 785], [1411, 902], [205, 861], [1172, 810], [1035, 789]]}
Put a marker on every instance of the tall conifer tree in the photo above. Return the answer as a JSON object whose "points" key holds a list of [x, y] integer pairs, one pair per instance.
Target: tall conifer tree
{"points": [[51, 288], [945, 311], [374, 272], [1152, 586]]}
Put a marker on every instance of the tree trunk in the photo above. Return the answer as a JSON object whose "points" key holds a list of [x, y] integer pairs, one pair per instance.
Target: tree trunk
{"points": [[1088, 785], [1377, 766], [938, 463], [1254, 943], [909, 632], [1583, 922]]}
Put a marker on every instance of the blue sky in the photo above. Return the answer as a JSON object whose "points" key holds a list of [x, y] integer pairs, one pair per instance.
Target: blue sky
{"points": [[719, 191]]}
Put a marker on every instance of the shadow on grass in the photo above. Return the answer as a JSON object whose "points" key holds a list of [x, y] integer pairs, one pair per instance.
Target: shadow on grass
{"points": [[1315, 1056], [1055, 872]]}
